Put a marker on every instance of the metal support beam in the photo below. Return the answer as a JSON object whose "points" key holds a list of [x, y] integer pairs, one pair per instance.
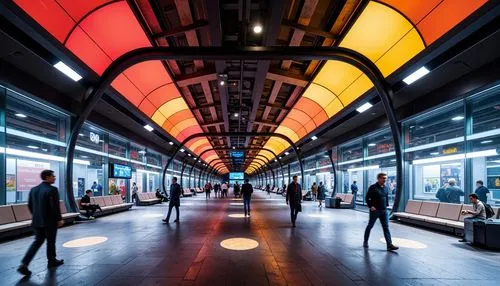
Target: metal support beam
{"points": [[198, 24], [309, 30]]}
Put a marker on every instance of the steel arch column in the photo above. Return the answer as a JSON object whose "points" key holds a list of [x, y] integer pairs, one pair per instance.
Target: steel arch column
{"points": [[330, 153], [243, 53]]}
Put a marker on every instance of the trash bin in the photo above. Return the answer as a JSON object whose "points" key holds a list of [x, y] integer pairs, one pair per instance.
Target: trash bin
{"points": [[337, 202], [492, 233], [329, 203], [479, 232], [469, 230]]}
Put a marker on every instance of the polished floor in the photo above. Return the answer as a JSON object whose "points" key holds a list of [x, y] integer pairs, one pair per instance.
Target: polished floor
{"points": [[135, 248]]}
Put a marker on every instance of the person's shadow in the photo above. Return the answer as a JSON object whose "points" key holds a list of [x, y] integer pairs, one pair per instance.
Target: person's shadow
{"points": [[50, 279]]}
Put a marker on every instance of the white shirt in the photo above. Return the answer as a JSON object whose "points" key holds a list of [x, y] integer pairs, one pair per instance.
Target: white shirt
{"points": [[224, 187]]}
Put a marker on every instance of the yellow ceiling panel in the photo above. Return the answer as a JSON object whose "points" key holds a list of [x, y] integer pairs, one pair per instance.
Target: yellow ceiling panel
{"points": [[355, 90], [401, 53], [158, 118], [337, 76], [195, 144], [173, 106], [319, 94], [334, 107], [288, 133], [186, 123], [376, 30], [174, 131]]}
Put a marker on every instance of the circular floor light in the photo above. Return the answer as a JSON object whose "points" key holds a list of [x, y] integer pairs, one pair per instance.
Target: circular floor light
{"points": [[317, 215], [239, 244], [152, 215], [86, 241], [236, 204], [406, 243], [236, 215]]}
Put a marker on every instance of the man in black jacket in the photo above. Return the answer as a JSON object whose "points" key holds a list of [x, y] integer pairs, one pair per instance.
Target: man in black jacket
{"points": [[294, 199], [175, 200], [246, 191], [481, 191], [377, 199], [43, 203]]}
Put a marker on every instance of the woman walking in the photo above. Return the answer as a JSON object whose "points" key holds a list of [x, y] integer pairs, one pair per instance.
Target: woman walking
{"points": [[314, 191], [321, 194]]}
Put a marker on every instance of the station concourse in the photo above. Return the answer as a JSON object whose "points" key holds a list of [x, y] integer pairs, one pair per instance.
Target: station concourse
{"points": [[339, 111]]}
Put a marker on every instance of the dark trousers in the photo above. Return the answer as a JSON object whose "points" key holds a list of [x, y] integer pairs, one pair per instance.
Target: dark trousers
{"points": [[91, 209], [207, 194], [293, 212], [383, 216], [42, 233], [170, 206], [246, 204]]}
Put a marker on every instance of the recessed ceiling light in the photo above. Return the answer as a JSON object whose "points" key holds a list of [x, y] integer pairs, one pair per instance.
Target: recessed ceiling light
{"points": [[171, 143], [314, 137], [257, 29], [364, 107], [236, 115], [32, 147], [45, 150], [275, 160], [84, 156], [148, 127], [62, 67], [435, 153], [222, 83], [80, 134], [234, 147], [21, 115], [182, 150], [457, 118], [189, 155], [416, 75], [286, 153], [281, 158], [372, 144], [486, 141], [142, 152]]}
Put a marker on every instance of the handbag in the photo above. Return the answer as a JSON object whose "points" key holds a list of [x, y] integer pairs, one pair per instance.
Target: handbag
{"points": [[298, 207]]}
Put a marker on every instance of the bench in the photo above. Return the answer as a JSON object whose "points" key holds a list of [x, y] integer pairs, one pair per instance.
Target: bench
{"points": [[15, 219], [186, 192], [145, 199], [347, 201], [198, 190], [109, 204], [440, 216]]}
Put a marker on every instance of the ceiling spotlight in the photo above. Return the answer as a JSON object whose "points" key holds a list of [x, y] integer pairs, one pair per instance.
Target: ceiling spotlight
{"points": [[222, 83], [182, 150], [148, 127], [236, 114], [189, 155], [171, 143], [32, 147], [314, 137], [20, 115], [222, 78], [286, 153], [234, 147], [257, 29]]}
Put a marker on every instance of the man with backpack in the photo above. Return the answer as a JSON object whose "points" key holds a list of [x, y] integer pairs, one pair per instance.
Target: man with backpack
{"points": [[478, 211]]}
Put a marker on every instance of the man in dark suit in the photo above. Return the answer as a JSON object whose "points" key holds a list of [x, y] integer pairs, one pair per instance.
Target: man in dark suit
{"points": [[294, 199], [247, 191], [43, 203], [175, 200]]}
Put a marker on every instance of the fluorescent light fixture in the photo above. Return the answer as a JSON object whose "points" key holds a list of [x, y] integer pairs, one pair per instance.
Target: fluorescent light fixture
{"points": [[364, 107], [416, 75], [189, 155], [364, 168], [45, 149], [286, 153], [171, 143], [314, 137], [148, 127], [20, 115], [32, 147], [439, 159], [257, 29], [457, 118], [62, 67], [372, 144], [80, 134], [484, 153], [486, 141], [41, 156], [182, 150], [84, 156], [435, 153], [142, 152], [393, 160]]}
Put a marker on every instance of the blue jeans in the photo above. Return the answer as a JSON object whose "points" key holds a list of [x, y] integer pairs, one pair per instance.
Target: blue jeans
{"points": [[246, 204], [383, 215]]}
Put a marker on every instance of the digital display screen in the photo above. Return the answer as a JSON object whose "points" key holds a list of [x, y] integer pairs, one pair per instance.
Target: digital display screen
{"points": [[236, 176], [237, 154], [120, 171]]}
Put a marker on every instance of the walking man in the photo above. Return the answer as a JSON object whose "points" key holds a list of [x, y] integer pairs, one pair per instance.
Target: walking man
{"points": [[175, 200], [294, 199], [377, 199], [43, 204], [224, 188], [208, 190], [247, 190]]}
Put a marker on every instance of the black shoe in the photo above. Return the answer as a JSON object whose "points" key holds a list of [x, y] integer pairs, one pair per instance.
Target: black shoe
{"points": [[177, 220], [293, 225], [365, 244], [164, 220], [55, 263], [462, 240], [23, 269], [392, 247]]}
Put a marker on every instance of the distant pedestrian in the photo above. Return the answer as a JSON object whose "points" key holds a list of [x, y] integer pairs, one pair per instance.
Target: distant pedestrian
{"points": [[135, 189], [216, 191], [454, 192], [481, 191], [247, 191], [354, 189], [377, 199], [268, 189], [175, 200], [224, 188], [43, 203], [321, 194], [314, 191], [294, 199], [208, 190], [442, 194]]}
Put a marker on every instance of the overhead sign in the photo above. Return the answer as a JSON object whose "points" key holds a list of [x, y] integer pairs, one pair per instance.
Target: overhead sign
{"points": [[94, 137], [237, 154]]}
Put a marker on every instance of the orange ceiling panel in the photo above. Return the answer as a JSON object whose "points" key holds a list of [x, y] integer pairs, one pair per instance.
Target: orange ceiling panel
{"points": [[309, 106], [194, 144], [147, 107], [188, 132], [163, 94], [298, 116], [148, 76], [116, 30], [181, 116], [88, 51], [292, 124], [49, 15], [414, 10], [186, 123], [127, 89], [78, 9]]}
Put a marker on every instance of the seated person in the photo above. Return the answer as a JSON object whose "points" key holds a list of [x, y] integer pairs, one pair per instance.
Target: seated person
{"points": [[478, 211], [160, 195], [87, 206]]}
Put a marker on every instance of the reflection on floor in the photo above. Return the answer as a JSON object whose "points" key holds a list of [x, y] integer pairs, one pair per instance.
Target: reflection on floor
{"points": [[135, 248]]}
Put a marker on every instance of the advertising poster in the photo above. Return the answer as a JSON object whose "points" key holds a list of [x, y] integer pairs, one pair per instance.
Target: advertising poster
{"points": [[28, 174], [81, 187], [10, 183]]}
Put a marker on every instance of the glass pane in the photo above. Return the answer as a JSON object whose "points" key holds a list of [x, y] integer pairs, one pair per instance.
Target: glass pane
{"points": [[486, 111], [380, 143]]}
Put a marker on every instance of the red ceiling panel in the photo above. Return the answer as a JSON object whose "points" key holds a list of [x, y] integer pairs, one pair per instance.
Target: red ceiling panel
{"points": [[79, 8], [128, 90], [180, 116], [147, 107], [148, 76], [88, 51], [163, 94]]}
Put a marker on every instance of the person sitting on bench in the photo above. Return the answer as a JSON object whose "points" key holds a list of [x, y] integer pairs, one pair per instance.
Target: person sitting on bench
{"points": [[478, 211], [87, 206]]}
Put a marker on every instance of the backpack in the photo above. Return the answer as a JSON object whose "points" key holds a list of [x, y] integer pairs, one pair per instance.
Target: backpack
{"points": [[489, 211]]}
